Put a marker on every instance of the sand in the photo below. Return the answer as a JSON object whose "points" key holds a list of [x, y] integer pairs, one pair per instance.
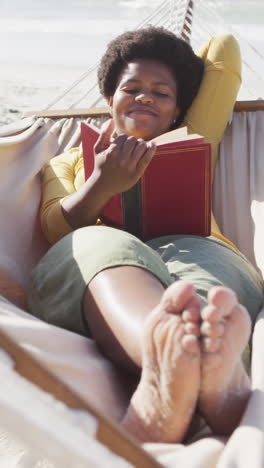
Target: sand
{"points": [[33, 87]]}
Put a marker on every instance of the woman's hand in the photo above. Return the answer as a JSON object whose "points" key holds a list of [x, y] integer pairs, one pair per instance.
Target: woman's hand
{"points": [[120, 163]]}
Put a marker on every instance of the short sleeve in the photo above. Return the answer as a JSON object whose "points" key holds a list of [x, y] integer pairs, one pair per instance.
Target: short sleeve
{"points": [[62, 177]]}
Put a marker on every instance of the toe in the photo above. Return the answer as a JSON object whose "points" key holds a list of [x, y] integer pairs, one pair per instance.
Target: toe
{"points": [[212, 330], [222, 298], [177, 297], [211, 314], [190, 344], [191, 328], [210, 345], [192, 312]]}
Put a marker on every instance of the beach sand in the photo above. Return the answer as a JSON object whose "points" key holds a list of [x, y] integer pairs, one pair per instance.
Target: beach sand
{"points": [[33, 88]]}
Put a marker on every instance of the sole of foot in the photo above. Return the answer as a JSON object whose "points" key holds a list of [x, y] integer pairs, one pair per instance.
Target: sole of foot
{"points": [[165, 400], [225, 386]]}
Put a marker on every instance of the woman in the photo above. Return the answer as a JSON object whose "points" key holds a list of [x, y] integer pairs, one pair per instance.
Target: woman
{"points": [[129, 295]]}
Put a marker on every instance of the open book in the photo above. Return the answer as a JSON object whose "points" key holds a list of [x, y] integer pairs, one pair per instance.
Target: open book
{"points": [[174, 194]]}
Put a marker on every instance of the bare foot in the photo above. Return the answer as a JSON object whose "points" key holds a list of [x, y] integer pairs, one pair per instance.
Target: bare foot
{"points": [[163, 404], [225, 385]]}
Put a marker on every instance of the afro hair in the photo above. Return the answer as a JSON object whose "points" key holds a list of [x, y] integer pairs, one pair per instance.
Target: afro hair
{"points": [[153, 43]]}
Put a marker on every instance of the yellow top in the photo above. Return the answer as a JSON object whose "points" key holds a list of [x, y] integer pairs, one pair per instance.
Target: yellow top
{"points": [[208, 116]]}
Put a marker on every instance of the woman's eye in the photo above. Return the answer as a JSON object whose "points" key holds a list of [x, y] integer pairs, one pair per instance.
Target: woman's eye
{"points": [[137, 90], [130, 90], [159, 93]]}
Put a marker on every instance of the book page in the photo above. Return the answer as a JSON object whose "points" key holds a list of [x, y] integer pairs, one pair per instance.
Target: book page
{"points": [[179, 134]]}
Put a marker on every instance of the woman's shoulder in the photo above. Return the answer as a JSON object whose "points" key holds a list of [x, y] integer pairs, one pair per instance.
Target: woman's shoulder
{"points": [[71, 156], [68, 166]]}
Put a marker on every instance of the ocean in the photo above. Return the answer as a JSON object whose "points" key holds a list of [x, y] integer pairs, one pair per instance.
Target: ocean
{"points": [[71, 35], [65, 32], [75, 32]]}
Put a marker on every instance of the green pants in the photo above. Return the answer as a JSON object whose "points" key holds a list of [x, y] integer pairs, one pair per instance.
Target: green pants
{"points": [[61, 277]]}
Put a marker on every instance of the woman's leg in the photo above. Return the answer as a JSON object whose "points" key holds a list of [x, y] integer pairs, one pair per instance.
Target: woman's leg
{"points": [[216, 270], [126, 306], [164, 401], [60, 295], [225, 385], [116, 304], [100, 282]]}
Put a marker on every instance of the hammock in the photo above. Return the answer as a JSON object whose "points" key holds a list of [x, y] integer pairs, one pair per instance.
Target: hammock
{"points": [[46, 370], [77, 374]]}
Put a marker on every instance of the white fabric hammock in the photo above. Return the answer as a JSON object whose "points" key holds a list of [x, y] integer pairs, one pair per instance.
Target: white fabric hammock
{"points": [[239, 208], [238, 185]]}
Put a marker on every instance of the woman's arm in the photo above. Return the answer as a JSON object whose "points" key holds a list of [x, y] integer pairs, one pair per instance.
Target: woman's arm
{"points": [[213, 105], [70, 202], [62, 177], [118, 165]]}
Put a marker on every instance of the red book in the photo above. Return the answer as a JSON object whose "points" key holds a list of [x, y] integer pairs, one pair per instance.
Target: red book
{"points": [[174, 194]]}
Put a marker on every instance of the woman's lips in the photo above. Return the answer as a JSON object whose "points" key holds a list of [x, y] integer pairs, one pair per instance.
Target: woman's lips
{"points": [[141, 111]]}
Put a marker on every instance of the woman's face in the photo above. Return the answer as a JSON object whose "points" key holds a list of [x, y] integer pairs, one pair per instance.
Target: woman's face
{"points": [[145, 100]]}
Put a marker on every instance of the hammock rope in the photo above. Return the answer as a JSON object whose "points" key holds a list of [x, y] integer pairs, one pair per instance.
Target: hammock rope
{"points": [[208, 22], [177, 16], [178, 21]]}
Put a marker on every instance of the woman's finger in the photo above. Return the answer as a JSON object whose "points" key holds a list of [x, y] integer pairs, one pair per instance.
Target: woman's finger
{"points": [[147, 156], [128, 150], [104, 139], [138, 152]]}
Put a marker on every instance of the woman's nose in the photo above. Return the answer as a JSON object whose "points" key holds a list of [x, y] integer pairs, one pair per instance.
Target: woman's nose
{"points": [[144, 97]]}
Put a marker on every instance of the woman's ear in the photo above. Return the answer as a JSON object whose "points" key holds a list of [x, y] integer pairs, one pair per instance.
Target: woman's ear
{"points": [[176, 114], [110, 102]]}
